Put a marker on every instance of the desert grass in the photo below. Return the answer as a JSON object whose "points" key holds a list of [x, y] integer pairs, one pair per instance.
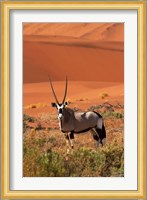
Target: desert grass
{"points": [[37, 105], [103, 95], [44, 148]]}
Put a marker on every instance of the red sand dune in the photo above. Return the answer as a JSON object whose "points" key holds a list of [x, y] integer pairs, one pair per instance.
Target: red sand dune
{"points": [[83, 51], [90, 54], [90, 91], [94, 31]]}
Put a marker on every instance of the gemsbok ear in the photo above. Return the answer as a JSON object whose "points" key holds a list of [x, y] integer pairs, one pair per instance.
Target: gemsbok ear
{"points": [[66, 103], [53, 104]]}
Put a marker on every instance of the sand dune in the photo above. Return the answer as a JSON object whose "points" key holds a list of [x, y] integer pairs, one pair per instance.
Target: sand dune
{"points": [[80, 61], [41, 92], [82, 51], [69, 41], [94, 31]]}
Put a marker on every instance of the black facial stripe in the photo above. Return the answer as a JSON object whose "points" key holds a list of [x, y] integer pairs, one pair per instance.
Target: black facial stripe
{"points": [[60, 110]]}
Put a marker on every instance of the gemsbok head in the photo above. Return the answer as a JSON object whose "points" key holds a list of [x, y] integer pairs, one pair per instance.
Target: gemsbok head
{"points": [[71, 122]]}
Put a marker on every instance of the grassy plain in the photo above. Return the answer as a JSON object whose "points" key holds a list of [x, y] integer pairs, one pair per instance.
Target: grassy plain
{"points": [[44, 146]]}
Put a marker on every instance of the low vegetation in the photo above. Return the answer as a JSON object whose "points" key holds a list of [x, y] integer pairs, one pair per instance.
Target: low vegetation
{"points": [[104, 95], [37, 105], [106, 162], [108, 111], [117, 115], [44, 148], [26, 119]]}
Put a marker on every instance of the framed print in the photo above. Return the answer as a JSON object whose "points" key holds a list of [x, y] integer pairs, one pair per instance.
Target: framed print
{"points": [[73, 99]]}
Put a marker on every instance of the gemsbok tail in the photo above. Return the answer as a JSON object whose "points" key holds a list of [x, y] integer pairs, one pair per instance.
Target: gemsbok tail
{"points": [[100, 129]]}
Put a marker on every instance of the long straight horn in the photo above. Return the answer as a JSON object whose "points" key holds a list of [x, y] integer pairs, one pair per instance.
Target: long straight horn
{"points": [[53, 90], [65, 91]]}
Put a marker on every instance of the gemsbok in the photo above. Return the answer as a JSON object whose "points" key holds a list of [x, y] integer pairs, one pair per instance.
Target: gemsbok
{"points": [[71, 122]]}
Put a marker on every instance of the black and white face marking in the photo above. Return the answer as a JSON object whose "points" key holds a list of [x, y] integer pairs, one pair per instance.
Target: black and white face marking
{"points": [[60, 108]]}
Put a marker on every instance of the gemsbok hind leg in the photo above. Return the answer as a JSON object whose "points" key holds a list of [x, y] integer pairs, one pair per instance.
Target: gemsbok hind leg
{"points": [[100, 129], [95, 137]]}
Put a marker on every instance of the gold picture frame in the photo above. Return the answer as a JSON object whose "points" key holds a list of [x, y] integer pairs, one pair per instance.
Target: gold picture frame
{"points": [[140, 6]]}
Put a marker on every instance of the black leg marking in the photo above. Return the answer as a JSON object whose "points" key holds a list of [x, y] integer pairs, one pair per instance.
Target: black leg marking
{"points": [[71, 135], [101, 133], [95, 137], [69, 140]]}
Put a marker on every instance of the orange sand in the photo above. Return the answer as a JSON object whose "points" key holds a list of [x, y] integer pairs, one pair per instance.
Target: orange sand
{"points": [[80, 94], [90, 54], [82, 51]]}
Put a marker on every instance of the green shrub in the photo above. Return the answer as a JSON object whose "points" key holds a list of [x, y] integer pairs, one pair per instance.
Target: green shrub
{"points": [[113, 114], [95, 107], [84, 162], [50, 164], [39, 141], [26, 119]]}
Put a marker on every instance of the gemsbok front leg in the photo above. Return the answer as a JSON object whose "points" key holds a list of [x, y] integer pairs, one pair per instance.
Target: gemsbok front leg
{"points": [[69, 142], [71, 138]]}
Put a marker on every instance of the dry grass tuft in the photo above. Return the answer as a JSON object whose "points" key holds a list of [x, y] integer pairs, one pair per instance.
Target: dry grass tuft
{"points": [[38, 105], [104, 95]]}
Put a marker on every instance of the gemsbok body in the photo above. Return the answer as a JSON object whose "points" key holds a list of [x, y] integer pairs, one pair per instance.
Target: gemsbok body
{"points": [[71, 122]]}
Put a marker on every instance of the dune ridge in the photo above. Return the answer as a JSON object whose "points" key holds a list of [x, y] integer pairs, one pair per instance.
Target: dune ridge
{"points": [[68, 41], [94, 31], [41, 92], [82, 51]]}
